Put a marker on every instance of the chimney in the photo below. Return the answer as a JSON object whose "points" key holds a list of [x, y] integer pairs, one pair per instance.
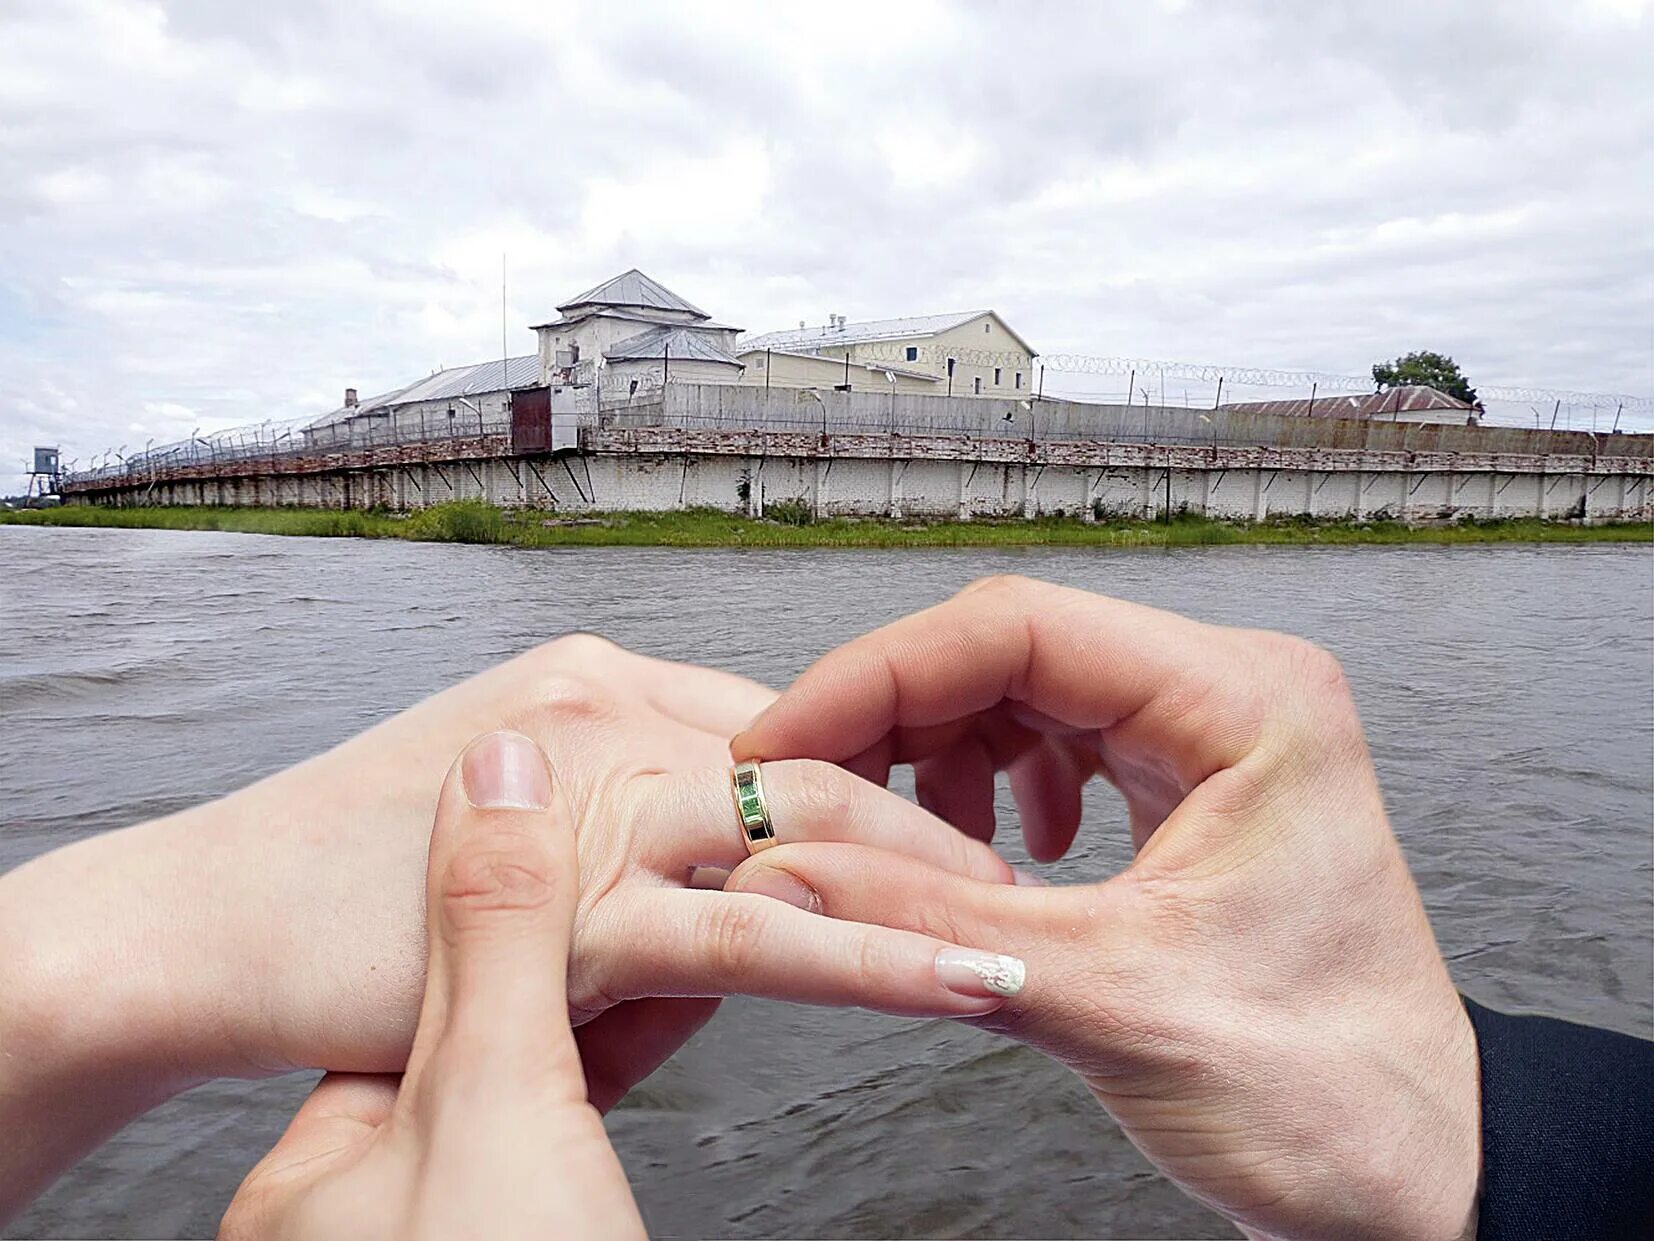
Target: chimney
{"points": [[350, 398]]}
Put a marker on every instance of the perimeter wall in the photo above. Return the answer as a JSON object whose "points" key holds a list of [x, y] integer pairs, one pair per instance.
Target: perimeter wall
{"points": [[742, 450]]}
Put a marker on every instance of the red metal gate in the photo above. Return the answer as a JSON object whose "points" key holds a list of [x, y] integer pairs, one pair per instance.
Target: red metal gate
{"points": [[531, 420]]}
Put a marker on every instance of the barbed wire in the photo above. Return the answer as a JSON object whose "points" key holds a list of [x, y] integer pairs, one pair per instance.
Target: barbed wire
{"points": [[936, 357], [1269, 377]]}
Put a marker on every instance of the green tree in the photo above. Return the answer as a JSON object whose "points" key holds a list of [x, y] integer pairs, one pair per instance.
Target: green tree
{"points": [[1425, 369]]}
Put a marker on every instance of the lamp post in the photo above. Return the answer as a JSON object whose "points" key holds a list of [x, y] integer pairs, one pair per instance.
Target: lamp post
{"points": [[1214, 427]]}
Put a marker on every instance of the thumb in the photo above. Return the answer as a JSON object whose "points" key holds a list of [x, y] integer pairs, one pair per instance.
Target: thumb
{"points": [[502, 884], [332, 1124]]}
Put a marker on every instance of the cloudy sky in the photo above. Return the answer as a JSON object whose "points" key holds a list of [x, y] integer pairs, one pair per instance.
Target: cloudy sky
{"points": [[216, 211]]}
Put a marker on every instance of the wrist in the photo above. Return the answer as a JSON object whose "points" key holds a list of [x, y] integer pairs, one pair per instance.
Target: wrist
{"points": [[1398, 1157], [1458, 1102], [122, 966], [83, 1049], [1426, 1185]]}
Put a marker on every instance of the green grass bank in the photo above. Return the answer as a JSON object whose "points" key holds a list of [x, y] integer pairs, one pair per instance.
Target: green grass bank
{"points": [[473, 522]]}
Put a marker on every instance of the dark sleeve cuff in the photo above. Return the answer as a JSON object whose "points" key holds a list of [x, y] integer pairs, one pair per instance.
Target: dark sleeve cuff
{"points": [[1567, 1130]]}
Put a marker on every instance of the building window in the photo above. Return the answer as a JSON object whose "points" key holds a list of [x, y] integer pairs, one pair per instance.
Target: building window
{"points": [[574, 353], [913, 353], [996, 377], [1019, 379], [977, 382], [986, 328]]}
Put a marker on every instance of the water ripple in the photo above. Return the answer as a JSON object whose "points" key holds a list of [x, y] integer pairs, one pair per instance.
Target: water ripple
{"points": [[1508, 693]]}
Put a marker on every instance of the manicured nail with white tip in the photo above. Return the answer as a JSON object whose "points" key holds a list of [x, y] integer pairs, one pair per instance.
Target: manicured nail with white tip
{"points": [[965, 971]]}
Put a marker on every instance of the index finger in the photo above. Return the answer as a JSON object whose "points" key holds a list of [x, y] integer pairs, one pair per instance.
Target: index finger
{"points": [[1085, 660]]}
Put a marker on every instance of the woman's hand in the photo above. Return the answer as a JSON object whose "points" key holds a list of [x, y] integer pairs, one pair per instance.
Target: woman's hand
{"points": [[1258, 999], [488, 1133], [284, 926]]}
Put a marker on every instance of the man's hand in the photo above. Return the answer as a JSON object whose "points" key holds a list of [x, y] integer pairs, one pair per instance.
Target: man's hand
{"points": [[489, 1132], [1258, 999]]}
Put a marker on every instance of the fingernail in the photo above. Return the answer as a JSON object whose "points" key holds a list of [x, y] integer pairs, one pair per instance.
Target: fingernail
{"points": [[782, 885], [506, 771], [1026, 878], [966, 971]]}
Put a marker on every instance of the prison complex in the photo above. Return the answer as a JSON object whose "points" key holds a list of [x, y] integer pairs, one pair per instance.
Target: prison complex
{"points": [[636, 399]]}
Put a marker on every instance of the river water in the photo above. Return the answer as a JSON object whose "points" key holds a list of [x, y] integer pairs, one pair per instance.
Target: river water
{"points": [[1508, 692]]}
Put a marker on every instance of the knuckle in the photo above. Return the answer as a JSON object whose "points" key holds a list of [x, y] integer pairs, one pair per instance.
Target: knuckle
{"points": [[1301, 661], [874, 956], [560, 698], [503, 872], [999, 585], [1318, 668], [734, 934], [1328, 715], [953, 924], [820, 791], [1296, 685], [977, 859], [583, 649], [1241, 792]]}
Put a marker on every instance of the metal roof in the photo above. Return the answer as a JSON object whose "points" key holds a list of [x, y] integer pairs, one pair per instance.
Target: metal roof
{"points": [[631, 314], [683, 342], [523, 372], [813, 338], [1404, 400], [633, 288], [456, 381]]}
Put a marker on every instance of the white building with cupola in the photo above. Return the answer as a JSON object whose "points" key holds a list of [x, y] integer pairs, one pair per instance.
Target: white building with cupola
{"points": [[631, 328]]}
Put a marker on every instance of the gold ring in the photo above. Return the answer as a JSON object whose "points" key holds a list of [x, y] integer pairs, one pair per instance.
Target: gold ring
{"points": [[746, 786]]}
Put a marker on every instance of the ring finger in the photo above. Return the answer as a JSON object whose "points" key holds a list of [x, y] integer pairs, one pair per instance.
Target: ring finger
{"points": [[688, 819]]}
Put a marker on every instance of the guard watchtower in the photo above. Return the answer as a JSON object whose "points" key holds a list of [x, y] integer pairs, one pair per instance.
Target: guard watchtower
{"points": [[43, 478]]}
